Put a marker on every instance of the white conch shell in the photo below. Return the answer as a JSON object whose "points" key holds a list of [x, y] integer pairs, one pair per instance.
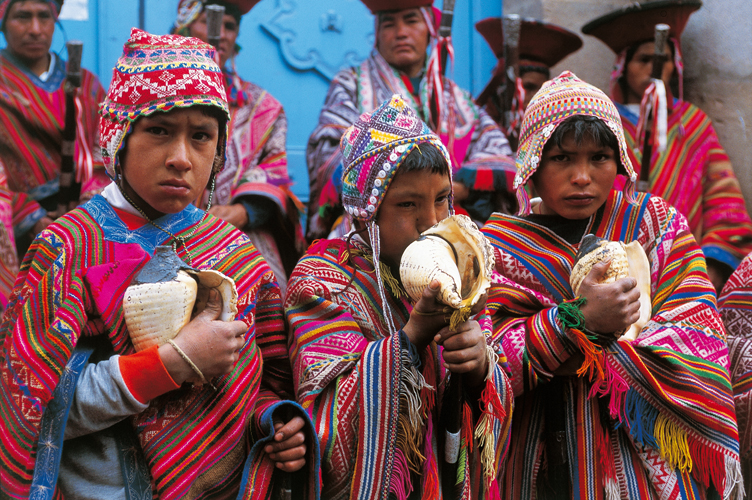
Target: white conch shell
{"points": [[626, 260], [156, 309], [455, 253]]}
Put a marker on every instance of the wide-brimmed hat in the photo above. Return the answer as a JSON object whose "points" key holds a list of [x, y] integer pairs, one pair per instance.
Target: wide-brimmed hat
{"points": [[635, 23], [381, 5]]}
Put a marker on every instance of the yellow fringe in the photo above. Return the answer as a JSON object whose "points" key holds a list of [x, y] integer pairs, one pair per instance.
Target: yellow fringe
{"points": [[459, 316], [407, 440], [672, 441], [487, 442], [386, 274]]}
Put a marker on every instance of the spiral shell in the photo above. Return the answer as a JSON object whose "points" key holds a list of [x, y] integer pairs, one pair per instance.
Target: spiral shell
{"points": [[626, 260], [455, 253], [167, 294]]}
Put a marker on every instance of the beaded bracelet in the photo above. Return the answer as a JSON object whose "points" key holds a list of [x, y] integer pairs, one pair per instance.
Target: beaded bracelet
{"points": [[190, 363]]}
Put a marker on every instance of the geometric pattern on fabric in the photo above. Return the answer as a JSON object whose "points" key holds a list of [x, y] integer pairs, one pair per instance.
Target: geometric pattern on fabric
{"points": [[373, 149]]}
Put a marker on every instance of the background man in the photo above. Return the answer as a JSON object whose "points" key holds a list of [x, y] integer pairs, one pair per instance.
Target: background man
{"points": [[399, 64]]}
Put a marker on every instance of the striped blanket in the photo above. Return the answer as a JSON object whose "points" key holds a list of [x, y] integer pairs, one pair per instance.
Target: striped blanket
{"points": [[735, 307], [695, 175], [71, 285], [32, 117], [658, 421], [356, 380]]}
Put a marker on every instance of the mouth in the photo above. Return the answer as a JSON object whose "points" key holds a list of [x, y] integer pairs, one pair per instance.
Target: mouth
{"points": [[175, 186], [579, 199]]}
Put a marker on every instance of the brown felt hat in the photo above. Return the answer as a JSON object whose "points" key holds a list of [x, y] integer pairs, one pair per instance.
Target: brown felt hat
{"points": [[382, 5], [539, 41], [636, 22]]}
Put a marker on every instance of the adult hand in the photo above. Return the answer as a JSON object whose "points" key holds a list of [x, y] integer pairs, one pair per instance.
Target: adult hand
{"points": [[289, 447], [427, 317], [212, 345], [465, 351], [611, 308], [234, 214]]}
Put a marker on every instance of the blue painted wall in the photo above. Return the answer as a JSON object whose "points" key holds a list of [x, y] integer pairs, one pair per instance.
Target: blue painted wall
{"points": [[289, 47]]}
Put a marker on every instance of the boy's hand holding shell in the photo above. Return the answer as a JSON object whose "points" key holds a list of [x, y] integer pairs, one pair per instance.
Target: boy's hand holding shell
{"points": [[170, 301], [615, 280]]}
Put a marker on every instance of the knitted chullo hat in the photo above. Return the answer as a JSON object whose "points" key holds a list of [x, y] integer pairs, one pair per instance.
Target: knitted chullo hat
{"points": [[55, 6], [558, 99], [373, 150], [159, 73]]}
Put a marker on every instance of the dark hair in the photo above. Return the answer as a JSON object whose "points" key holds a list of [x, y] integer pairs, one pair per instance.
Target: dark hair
{"points": [[425, 156], [631, 51], [583, 126]]}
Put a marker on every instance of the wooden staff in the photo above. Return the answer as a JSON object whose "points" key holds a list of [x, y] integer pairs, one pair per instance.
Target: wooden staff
{"points": [[659, 58], [214, 17], [511, 26], [70, 190]]}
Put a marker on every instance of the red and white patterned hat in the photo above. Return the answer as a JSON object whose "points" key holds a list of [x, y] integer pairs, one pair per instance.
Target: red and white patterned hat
{"points": [[159, 73]]}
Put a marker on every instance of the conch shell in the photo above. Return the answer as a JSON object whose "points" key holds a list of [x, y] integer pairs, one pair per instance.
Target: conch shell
{"points": [[455, 253], [626, 260], [167, 293]]}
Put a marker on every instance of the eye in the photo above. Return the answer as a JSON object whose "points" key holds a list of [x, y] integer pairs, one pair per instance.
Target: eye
{"points": [[406, 204], [601, 157], [202, 136], [559, 158], [231, 26], [156, 130], [442, 199]]}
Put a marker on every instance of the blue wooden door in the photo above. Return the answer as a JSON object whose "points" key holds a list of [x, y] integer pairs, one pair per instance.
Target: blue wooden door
{"points": [[292, 48]]}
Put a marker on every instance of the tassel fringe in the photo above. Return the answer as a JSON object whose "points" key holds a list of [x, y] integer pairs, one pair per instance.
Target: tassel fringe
{"points": [[459, 316]]}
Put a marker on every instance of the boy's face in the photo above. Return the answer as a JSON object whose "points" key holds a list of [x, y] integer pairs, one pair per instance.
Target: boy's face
{"points": [[168, 159], [574, 181], [414, 202]]}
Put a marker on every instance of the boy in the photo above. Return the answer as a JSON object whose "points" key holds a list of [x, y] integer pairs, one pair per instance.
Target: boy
{"points": [[370, 367], [663, 425], [134, 420]]}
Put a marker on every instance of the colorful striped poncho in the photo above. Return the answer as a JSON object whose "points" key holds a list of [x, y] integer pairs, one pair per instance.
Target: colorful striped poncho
{"points": [[8, 259], [256, 166], [695, 175], [71, 284], [658, 421], [735, 307], [358, 383], [478, 149], [32, 117]]}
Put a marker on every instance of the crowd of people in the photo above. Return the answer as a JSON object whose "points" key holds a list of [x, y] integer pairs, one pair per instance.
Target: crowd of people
{"points": [[330, 381]]}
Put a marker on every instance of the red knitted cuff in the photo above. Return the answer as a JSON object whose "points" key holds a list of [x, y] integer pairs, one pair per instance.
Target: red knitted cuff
{"points": [[146, 375]]}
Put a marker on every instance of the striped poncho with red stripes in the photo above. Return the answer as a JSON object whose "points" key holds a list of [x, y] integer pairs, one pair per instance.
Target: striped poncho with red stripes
{"points": [[71, 285], [695, 175], [355, 379], [658, 421]]}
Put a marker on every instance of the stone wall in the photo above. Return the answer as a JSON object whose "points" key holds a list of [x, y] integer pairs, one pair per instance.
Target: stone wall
{"points": [[717, 46]]}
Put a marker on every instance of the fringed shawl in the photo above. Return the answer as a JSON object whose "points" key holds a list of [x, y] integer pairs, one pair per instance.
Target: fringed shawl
{"points": [[357, 381], [695, 175], [477, 147], [735, 307], [659, 421], [71, 285]]}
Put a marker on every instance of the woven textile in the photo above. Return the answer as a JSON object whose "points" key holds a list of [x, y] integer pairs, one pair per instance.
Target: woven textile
{"points": [[695, 175], [352, 374], [32, 118], [71, 285], [374, 148], [664, 425], [55, 6], [158, 73], [481, 156], [735, 307], [189, 10], [558, 99]]}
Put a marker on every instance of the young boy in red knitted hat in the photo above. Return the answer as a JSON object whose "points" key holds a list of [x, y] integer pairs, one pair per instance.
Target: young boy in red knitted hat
{"points": [[85, 414]]}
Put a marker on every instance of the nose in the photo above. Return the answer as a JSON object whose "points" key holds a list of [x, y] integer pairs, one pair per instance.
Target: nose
{"points": [[581, 173], [428, 218], [179, 156], [36, 25]]}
